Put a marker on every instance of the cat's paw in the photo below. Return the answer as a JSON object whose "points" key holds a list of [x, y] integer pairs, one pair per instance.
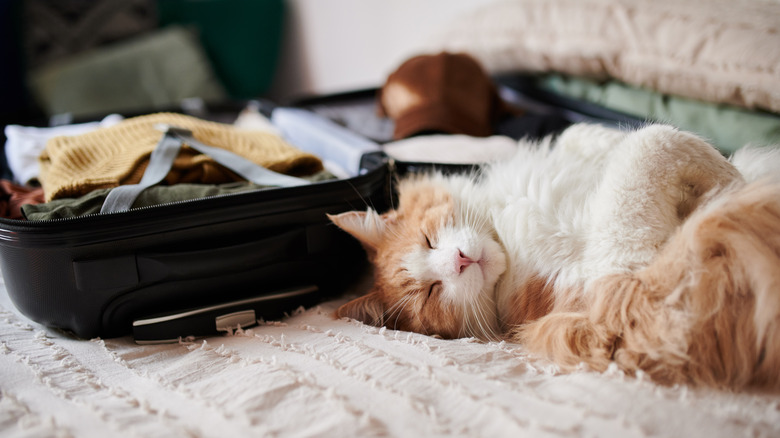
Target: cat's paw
{"points": [[568, 339]]}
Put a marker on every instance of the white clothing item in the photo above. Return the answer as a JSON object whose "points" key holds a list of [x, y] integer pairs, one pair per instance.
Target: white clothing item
{"points": [[451, 149], [24, 144], [251, 119]]}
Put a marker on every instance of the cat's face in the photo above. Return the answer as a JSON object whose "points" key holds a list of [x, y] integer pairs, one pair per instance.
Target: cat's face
{"points": [[436, 265]]}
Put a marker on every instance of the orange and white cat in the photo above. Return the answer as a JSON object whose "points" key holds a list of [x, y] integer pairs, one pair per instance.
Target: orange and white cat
{"points": [[645, 248]]}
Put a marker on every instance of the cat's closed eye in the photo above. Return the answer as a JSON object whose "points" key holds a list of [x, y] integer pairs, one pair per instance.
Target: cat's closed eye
{"points": [[435, 286], [428, 241]]}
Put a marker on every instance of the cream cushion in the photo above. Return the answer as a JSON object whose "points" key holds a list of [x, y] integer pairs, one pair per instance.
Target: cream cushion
{"points": [[724, 51]]}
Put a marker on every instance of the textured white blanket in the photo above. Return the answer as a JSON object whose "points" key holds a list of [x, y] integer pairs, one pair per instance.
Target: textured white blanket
{"points": [[311, 375]]}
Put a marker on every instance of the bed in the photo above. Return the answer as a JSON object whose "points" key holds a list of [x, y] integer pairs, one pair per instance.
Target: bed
{"points": [[310, 374], [313, 375]]}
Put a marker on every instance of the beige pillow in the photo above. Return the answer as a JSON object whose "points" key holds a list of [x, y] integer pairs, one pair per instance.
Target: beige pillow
{"points": [[152, 72], [725, 51]]}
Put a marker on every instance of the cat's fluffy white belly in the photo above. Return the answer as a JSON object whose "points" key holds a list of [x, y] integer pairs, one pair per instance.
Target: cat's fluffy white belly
{"points": [[542, 218], [539, 204]]}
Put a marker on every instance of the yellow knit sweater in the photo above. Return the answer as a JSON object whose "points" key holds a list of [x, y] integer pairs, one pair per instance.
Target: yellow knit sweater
{"points": [[108, 157]]}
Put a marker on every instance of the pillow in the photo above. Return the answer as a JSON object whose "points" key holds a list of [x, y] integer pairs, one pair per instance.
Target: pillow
{"points": [[723, 51], [152, 72]]}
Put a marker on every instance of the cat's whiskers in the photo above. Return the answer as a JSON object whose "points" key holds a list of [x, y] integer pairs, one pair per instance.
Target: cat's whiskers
{"points": [[480, 322], [362, 198], [394, 233], [396, 309], [482, 314], [405, 301]]}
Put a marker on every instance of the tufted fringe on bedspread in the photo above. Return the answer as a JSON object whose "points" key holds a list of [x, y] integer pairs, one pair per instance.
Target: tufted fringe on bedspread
{"points": [[310, 375]]}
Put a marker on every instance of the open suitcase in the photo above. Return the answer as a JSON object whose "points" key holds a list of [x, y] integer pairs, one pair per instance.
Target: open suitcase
{"points": [[201, 266]]}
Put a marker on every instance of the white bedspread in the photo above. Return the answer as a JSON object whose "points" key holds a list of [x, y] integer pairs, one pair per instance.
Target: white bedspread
{"points": [[311, 375]]}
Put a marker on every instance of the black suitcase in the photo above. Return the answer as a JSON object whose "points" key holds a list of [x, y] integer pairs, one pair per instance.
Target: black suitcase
{"points": [[196, 267]]}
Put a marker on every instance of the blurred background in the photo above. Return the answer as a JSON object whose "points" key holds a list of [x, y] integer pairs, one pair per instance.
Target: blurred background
{"points": [[710, 70], [81, 59]]}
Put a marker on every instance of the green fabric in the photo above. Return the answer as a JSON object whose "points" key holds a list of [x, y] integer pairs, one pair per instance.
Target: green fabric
{"points": [[154, 71], [242, 38], [728, 128], [92, 202]]}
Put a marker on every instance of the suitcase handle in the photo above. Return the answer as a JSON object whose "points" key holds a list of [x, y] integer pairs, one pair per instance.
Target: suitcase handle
{"points": [[223, 317], [324, 138], [121, 198]]}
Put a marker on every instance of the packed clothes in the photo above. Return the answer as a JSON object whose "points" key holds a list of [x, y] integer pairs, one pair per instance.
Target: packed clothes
{"points": [[14, 197], [74, 166], [67, 171], [24, 144]]}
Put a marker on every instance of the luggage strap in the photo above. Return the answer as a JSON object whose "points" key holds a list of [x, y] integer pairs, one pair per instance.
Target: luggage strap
{"points": [[121, 198]]}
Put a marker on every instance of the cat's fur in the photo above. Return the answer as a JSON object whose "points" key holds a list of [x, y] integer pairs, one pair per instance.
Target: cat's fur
{"points": [[646, 248]]}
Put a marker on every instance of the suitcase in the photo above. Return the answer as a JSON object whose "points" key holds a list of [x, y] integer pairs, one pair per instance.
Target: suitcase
{"points": [[202, 266]]}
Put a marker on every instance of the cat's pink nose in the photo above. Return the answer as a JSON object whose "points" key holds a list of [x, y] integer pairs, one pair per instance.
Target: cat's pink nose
{"points": [[462, 261]]}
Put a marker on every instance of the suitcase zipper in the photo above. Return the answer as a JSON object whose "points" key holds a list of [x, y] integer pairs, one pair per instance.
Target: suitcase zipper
{"points": [[343, 192]]}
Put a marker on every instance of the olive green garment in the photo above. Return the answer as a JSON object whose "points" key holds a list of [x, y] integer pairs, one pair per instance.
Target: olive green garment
{"points": [[92, 202]]}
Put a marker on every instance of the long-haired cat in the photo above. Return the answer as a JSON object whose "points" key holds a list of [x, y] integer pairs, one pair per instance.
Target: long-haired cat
{"points": [[645, 248]]}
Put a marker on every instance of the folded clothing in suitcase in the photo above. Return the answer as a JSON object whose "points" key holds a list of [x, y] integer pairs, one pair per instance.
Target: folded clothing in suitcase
{"points": [[199, 266]]}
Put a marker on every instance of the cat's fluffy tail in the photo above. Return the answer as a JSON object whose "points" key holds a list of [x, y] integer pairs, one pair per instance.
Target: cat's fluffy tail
{"points": [[706, 311]]}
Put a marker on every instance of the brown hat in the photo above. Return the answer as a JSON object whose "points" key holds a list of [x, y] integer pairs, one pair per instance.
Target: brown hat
{"points": [[446, 92]]}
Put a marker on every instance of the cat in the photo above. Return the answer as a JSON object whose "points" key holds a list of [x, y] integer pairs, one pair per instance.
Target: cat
{"points": [[645, 248]]}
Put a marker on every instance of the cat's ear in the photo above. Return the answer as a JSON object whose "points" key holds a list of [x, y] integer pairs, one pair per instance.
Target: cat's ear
{"points": [[367, 309], [368, 227]]}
